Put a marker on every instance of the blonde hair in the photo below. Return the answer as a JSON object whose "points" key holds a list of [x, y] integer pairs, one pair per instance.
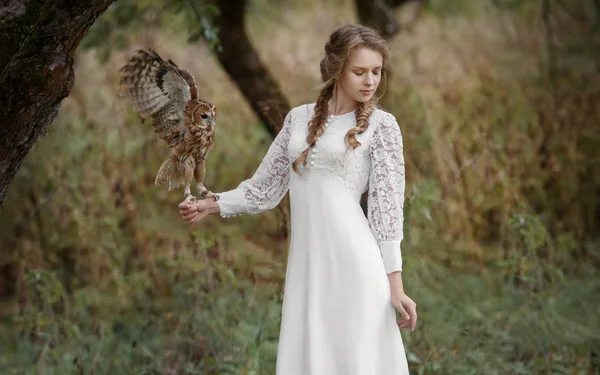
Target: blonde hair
{"points": [[337, 50]]}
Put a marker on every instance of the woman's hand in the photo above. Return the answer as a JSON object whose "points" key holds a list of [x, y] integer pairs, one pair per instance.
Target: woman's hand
{"points": [[403, 303], [195, 210], [407, 308]]}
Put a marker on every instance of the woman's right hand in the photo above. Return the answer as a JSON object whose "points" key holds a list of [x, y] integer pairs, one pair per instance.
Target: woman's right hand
{"points": [[195, 210]]}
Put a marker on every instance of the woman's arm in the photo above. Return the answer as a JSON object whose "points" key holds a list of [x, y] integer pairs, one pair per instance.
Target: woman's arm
{"points": [[386, 210], [262, 192], [269, 183], [386, 191]]}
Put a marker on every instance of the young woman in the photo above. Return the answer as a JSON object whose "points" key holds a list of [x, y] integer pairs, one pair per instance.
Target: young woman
{"points": [[343, 277]]}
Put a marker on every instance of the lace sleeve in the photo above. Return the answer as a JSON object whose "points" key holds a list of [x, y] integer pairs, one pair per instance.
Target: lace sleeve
{"points": [[386, 191], [268, 185]]}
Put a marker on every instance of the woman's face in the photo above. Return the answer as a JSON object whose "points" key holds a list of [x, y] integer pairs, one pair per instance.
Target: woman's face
{"points": [[362, 74]]}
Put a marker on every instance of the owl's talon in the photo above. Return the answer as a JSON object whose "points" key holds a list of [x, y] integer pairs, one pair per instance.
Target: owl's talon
{"points": [[191, 199], [205, 194]]}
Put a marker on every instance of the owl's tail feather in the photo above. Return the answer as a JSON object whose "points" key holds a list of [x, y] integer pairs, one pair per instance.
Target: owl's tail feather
{"points": [[172, 172]]}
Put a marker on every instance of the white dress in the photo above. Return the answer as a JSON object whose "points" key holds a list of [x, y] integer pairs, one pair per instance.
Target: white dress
{"points": [[337, 315]]}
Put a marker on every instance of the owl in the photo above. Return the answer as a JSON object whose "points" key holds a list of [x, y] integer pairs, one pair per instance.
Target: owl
{"points": [[167, 94]]}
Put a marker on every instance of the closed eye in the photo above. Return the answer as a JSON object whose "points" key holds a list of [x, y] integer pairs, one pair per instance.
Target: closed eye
{"points": [[361, 73]]}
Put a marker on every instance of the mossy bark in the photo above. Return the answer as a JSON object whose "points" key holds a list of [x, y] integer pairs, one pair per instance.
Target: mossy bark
{"points": [[38, 40]]}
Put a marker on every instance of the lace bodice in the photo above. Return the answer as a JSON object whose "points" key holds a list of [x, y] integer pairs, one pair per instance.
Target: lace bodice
{"points": [[377, 164], [331, 152]]}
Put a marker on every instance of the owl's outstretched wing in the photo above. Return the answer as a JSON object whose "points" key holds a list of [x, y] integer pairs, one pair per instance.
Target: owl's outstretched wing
{"points": [[158, 89]]}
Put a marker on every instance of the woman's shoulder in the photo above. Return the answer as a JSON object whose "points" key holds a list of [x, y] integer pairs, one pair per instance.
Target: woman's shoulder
{"points": [[384, 121], [303, 108], [381, 115], [300, 111]]}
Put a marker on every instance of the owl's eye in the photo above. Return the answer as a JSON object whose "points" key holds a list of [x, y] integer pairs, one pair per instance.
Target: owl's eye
{"points": [[204, 116]]}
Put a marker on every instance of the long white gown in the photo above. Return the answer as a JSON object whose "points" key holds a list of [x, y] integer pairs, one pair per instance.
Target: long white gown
{"points": [[337, 315]]}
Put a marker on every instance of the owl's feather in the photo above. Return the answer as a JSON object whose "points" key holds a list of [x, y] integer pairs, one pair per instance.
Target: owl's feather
{"points": [[172, 172], [157, 89]]}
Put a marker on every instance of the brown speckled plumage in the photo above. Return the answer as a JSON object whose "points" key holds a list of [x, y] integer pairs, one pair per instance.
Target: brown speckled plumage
{"points": [[161, 90]]}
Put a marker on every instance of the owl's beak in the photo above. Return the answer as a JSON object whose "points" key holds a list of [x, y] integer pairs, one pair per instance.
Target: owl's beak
{"points": [[211, 122]]}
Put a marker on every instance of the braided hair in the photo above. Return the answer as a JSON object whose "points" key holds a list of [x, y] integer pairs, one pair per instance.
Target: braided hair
{"points": [[337, 50]]}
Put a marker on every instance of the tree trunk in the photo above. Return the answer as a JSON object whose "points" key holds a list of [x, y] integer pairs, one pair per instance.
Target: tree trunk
{"points": [[240, 60], [395, 3], [38, 40], [379, 15]]}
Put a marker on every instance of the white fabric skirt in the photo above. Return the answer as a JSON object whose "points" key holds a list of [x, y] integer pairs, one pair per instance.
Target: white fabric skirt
{"points": [[337, 315]]}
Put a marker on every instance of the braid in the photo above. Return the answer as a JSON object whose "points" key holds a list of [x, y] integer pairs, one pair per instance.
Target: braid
{"points": [[317, 123], [363, 112], [342, 42]]}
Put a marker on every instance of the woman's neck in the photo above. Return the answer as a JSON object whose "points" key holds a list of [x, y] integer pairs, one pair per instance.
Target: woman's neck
{"points": [[340, 103]]}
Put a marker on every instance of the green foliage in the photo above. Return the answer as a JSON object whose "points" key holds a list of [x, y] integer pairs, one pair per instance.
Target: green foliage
{"points": [[123, 19], [191, 330]]}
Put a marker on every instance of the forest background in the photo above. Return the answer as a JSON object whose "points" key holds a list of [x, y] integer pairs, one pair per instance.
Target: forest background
{"points": [[498, 102]]}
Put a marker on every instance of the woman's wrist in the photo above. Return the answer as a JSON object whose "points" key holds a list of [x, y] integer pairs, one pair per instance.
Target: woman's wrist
{"points": [[396, 285], [211, 206]]}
